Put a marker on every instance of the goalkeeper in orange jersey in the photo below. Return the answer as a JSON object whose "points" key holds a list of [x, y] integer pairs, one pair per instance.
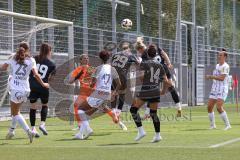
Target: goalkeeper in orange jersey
{"points": [[83, 74]]}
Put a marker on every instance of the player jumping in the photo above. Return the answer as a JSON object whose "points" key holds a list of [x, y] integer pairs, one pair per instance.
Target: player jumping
{"points": [[162, 58], [153, 74], [122, 61]]}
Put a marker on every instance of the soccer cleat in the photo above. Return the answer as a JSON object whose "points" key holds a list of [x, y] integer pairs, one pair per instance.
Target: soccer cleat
{"points": [[140, 136], [10, 134], [30, 135], [35, 133], [156, 138], [227, 128], [179, 113], [79, 136], [213, 127], [122, 125], [43, 129], [88, 132], [75, 129]]}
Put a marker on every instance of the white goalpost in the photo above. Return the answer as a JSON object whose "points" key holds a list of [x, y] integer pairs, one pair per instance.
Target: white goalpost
{"points": [[17, 27]]}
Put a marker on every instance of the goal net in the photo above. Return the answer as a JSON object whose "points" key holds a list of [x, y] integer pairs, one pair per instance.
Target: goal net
{"points": [[16, 28]]}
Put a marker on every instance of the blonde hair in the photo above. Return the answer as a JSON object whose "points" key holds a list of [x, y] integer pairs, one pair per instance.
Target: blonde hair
{"points": [[82, 56], [140, 44]]}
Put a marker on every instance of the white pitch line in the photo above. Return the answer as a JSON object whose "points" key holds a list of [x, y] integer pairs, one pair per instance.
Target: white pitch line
{"points": [[224, 143], [107, 146]]}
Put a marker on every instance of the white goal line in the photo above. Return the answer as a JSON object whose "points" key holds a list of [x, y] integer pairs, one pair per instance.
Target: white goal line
{"points": [[35, 18]]}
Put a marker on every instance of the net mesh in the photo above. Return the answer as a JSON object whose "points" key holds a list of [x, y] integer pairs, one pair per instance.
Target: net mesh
{"points": [[15, 30]]}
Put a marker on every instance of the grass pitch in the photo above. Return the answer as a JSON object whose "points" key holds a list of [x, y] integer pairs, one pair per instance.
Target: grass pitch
{"points": [[187, 138]]}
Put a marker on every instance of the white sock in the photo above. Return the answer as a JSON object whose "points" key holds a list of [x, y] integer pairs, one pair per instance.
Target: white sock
{"points": [[225, 118], [84, 120], [42, 123], [179, 107], [141, 130], [157, 134], [212, 119], [147, 111], [14, 123], [22, 122]]}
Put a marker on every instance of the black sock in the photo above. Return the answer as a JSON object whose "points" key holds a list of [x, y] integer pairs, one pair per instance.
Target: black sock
{"points": [[136, 117], [32, 116], [121, 101], [174, 94], [44, 112], [155, 119]]}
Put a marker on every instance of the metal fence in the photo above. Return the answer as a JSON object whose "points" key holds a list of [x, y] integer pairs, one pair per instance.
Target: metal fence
{"points": [[191, 31]]}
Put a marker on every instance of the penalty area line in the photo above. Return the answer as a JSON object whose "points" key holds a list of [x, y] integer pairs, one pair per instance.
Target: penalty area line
{"points": [[109, 146], [225, 143]]}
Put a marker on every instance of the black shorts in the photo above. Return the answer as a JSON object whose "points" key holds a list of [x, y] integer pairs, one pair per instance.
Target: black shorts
{"points": [[151, 100], [123, 84], [168, 73], [43, 95]]}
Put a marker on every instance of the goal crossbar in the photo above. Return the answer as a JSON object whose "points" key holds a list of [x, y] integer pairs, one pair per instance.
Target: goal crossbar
{"points": [[35, 18]]}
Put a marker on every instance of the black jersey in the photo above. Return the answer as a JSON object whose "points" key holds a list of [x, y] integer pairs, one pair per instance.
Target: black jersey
{"points": [[153, 76], [159, 56], [145, 56], [122, 61], [45, 68]]}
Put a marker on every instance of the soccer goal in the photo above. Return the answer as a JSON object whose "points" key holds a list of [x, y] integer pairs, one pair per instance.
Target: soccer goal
{"points": [[16, 28]]}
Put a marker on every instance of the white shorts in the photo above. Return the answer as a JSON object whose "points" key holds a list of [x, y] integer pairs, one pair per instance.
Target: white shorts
{"points": [[95, 102], [17, 96], [218, 95]]}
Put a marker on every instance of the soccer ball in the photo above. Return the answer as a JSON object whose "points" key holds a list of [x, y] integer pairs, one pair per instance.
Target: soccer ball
{"points": [[158, 59], [126, 23]]}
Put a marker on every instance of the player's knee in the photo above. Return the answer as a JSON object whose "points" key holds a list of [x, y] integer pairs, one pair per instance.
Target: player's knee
{"points": [[220, 109], [171, 89], [44, 106], [33, 100], [133, 110]]}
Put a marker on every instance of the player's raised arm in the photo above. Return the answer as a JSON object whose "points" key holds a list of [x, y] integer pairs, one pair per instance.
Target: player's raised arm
{"points": [[75, 76], [166, 58]]}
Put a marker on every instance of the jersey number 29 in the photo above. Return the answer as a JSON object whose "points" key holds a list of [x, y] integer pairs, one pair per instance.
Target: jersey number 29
{"points": [[119, 61]]}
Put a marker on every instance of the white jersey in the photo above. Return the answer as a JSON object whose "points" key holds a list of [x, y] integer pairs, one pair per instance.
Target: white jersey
{"points": [[20, 74], [221, 70], [104, 74], [220, 88]]}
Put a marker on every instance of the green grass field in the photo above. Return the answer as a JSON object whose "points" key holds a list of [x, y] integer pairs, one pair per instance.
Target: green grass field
{"points": [[183, 139]]}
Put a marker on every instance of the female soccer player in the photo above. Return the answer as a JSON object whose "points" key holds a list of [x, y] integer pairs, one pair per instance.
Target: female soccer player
{"points": [[21, 65], [102, 80], [219, 90], [162, 58], [46, 68], [153, 74], [83, 74]]}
